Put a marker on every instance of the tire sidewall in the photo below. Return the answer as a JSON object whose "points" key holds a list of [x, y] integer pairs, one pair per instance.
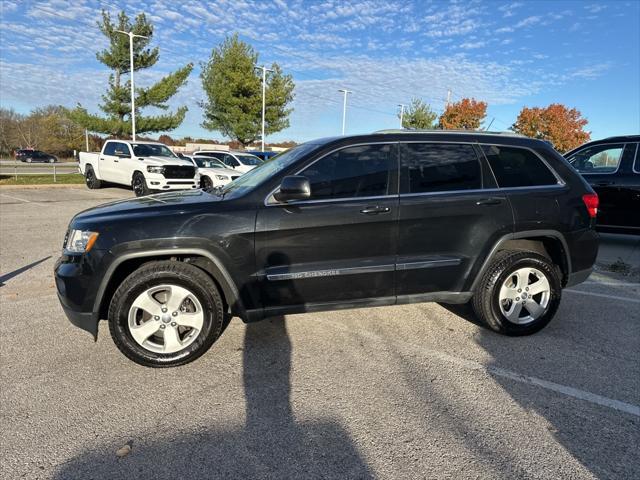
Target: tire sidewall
{"points": [[89, 177], [541, 264], [119, 321], [144, 190]]}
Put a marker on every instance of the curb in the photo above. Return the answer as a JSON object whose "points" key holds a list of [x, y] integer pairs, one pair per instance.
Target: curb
{"points": [[42, 186]]}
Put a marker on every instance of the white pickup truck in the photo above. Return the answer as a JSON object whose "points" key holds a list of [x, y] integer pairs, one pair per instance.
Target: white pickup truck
{"points": [[145, 166]]}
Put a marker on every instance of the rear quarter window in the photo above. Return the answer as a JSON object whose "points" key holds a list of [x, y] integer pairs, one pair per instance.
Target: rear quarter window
{"points": [[517, 167]]}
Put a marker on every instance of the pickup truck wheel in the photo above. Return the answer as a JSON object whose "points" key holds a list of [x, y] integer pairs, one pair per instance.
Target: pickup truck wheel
{"points": [[206, 183], [166, 313], [139, 185], [519, 294], [90, 178]]}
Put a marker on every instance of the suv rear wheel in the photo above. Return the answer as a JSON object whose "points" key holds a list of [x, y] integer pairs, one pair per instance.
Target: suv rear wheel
{"points": [[166, 313], [90, 178], [519, 294]]}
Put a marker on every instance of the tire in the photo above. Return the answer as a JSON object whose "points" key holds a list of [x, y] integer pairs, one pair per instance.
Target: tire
{"points": [[157, 350], [206, 183], [90, 179], [139, 185], [502, 299], [52, 160]]}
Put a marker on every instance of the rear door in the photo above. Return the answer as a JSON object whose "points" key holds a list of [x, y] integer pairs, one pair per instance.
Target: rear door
{"points": [[108, 163], [340, 245], [447, 220]]}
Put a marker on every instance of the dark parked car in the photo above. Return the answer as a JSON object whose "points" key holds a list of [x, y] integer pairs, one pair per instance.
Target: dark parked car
{"points": [[612, 168], [20, 154], [500, 221], [36, 156]]}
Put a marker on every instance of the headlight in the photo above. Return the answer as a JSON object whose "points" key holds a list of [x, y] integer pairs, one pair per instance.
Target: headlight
{"points": [[80, 241], [152, 169], [222, 177]]}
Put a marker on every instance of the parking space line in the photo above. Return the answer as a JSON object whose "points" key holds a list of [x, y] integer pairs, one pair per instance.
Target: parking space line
{"points": [[517, 377], [538, 382], [20, 199], [603, 295], [612, 284]]}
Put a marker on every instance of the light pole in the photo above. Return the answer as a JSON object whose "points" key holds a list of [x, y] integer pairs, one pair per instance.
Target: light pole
{"points": [[133, 92], [344, 106], [264, 90], [401, 105]]}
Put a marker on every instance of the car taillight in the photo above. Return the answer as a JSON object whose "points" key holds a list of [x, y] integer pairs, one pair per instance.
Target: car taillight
{"points": [[591, 202]]}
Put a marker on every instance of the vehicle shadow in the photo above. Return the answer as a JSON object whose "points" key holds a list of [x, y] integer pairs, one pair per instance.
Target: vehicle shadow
{"points": [[18, 271], [272, 443], [598, 357]]}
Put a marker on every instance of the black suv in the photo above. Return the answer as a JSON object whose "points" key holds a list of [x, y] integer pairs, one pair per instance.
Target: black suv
{"points": [[395, 217], [612, 167]]}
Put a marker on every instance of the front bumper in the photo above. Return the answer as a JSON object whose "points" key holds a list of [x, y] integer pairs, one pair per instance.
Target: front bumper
{"points": [[75, 284], [159, 182], [87, 321]]}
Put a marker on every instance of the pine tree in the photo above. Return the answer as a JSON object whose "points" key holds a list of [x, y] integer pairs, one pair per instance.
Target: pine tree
{"points": [[117, 100], [234, 93], [419, 115]]}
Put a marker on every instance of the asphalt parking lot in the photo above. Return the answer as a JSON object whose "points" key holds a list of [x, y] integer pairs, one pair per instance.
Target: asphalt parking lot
{"points": [[416, 391]]}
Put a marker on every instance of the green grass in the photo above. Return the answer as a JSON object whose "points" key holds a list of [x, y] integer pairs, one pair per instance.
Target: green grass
{"points": [[63, 178]]}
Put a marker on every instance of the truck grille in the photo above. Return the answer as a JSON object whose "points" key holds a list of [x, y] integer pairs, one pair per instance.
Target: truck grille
{"points": [[175, 171]]}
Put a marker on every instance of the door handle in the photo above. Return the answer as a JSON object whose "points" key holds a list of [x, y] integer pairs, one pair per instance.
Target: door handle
{"points": [[101, 158], [489, 201], [116, 160], [604, 183], [374, 210]]}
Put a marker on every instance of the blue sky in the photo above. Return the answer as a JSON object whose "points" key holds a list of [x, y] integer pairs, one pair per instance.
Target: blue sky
{"points": [[508, 53]]}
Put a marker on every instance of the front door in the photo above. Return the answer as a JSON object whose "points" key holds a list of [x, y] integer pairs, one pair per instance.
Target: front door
{"points": [[340, 245], [446, 218]]}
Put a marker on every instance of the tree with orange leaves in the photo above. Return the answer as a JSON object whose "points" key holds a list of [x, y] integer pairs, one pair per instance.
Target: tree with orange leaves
{"points": [[466, 114], [562, 126]]}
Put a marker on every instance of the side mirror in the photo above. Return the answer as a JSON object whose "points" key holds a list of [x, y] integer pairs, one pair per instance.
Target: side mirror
{"points": [[294, 187]]}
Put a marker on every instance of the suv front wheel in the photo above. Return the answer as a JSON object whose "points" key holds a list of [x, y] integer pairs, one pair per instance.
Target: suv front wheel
{"points": [[519, 294], [166, 313]]}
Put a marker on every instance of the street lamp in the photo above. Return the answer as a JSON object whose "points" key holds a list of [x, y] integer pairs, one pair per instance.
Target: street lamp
{"points": [[344, 107], [264, 89], [133, 93]]}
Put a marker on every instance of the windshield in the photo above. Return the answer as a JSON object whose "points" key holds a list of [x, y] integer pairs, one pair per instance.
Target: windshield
{"points": [[248, 159], [209, 162], [266, 170], [151, 150]]}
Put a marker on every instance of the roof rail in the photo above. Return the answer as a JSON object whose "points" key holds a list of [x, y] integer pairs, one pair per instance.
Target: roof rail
{"points": [[460, 131]]}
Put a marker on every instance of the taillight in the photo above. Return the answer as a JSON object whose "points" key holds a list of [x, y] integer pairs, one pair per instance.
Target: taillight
{"points": [[591, 202]]}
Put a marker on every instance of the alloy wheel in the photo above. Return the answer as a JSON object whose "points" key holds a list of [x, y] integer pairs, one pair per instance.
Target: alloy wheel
{"points": [[524, 296], [165, 318]]}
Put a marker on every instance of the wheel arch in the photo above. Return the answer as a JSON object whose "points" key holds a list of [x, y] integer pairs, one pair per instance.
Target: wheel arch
{"points": [[549, 243], [125, 264]]}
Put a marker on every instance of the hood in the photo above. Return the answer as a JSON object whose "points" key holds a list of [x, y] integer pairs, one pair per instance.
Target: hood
{"points": [[220, 171], [166, 161], [168, 203]]}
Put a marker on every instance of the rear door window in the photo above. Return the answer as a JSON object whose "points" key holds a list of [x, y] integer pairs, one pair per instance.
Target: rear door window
{"points": [[518, 167], [598, 159], [435, 167], [358, 171]]}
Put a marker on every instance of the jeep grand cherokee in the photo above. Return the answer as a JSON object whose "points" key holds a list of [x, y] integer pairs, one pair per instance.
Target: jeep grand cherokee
{"points": [[500, 221]]}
